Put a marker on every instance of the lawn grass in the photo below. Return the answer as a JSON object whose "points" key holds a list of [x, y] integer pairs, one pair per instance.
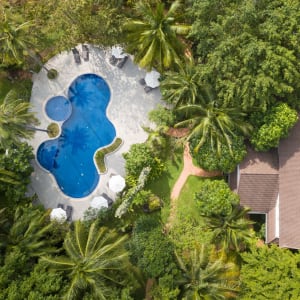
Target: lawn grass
{"points": [[162, 187], [186, 202]]}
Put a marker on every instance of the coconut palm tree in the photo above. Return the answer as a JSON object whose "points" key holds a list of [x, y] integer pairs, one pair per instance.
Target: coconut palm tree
{"points": [[153, 38], [94, 256], [181, 88], [15, 120], [29, 232], [231, 231], [14, 40], [207, 276], [210, 122]]}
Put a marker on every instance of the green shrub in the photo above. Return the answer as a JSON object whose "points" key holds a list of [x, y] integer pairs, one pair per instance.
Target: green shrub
{"points": [[277, 123], [100, 154], [208, 158], [52, 74], [139, 157], [150, 249], [215, 198], [53, 130]]}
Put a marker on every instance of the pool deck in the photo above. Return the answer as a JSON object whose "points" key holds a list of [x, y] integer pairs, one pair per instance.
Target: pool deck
{"points": [[128, 111]]}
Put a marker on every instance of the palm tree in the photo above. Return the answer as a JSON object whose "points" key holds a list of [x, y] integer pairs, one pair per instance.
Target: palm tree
{"points": [[8, 176], [181, 88], [15, 120], [206, 276], [29, 232], [13, 40], [210, 122], [153, 38], [231, 231], [93, 257]]}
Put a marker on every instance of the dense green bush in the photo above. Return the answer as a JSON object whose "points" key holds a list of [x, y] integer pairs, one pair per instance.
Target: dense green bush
{"points": [[276, 124], [215, 198], [162, 116], [139, 157], [150, 249], [17, 160], [225, 161]]}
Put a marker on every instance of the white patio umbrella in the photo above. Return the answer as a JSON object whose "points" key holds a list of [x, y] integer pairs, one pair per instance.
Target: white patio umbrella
{"points": [[116, 183], [117, 52], [99, 202], [151, 79], [58, 214]]}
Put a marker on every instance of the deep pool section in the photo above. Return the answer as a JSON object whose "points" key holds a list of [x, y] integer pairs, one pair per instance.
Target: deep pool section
{"points": [[58, 108], [70, 157]]}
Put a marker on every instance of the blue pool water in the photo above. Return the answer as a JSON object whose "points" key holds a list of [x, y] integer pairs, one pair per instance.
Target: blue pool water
{"points": [[70, 156], [58, 108]]}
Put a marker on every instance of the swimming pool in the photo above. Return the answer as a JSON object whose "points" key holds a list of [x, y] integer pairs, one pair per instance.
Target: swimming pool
{"points": [[70, 156]]}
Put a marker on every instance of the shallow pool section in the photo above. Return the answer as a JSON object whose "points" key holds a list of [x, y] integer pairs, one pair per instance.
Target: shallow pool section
{"points": [[58, 108], [70, 156]]}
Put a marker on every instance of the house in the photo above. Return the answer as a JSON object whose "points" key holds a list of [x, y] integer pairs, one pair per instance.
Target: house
{"points": [[269, 183]]}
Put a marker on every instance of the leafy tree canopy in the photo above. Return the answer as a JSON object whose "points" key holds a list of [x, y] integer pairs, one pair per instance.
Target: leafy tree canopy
{"points": [[276, 124], [16, 159], [270, 273], [250, 49]]}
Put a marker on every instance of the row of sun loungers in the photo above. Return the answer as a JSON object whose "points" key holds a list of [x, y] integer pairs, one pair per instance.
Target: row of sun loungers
{"points": [[119, 62], [85, 54]]}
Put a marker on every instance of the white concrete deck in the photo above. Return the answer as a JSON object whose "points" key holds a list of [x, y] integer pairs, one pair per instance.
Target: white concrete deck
{"points": [[128, 111]]}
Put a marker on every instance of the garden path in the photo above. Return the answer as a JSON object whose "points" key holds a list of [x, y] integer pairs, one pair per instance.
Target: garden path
{"points": [[188, 169]]}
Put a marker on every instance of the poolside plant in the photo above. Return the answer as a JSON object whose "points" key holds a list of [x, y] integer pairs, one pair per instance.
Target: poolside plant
{"points": [[100, 154], [129, 197], [52, 74]]}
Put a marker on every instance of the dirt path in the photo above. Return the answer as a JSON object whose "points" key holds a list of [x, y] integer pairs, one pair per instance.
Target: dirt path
{"points": [[188, 169]]}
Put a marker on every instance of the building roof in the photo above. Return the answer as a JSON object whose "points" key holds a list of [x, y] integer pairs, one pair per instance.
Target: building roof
{"points": [[264, 175], [289, 186], [258, 180]]}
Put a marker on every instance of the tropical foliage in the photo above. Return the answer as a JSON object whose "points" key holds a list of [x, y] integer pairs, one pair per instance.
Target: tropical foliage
{"points": [[215, 198], [276, 124], [92, 257], [16, 120], [207, 276], [210, 122], [153, 36], [250, 50], [226, 161], [270, 273], [182, 87], [231, 231], [140, 156]]}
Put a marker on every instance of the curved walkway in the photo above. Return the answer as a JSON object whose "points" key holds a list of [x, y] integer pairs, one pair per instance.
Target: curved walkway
{"points": [[188, 169]]}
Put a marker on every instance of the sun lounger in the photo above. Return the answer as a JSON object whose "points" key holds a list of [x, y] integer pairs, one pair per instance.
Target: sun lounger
{"points": [[69, 212], [109, 200], [85, 52], [113, 60], [148, 89], [122, 62], [142, 81], [76, 56]]}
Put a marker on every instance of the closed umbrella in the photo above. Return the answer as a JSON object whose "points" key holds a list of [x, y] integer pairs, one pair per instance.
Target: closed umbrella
{"points": [[99, 202], [58, 214], [151, 79], [116, 183]]}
